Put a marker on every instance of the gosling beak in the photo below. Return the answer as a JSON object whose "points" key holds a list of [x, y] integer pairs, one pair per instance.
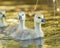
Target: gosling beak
{"points": [[20, 17], [43, 20], [3, 16]]}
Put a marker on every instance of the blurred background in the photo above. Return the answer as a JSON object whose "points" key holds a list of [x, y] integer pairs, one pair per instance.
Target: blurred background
{"points": [[49, 8]]}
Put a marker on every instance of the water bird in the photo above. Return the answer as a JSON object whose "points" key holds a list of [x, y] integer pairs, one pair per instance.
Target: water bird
{"points": [[11, 30], [16, 24], [30, 36], [3, 23]]}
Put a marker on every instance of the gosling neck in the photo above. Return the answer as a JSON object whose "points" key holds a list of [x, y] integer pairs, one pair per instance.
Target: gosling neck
{"points": [[3, 22], [22, 24], [37, 27]]}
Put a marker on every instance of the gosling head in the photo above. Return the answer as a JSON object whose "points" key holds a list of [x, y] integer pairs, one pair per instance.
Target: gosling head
{"points": [[39, 18], [2, 13], [22, 15]]}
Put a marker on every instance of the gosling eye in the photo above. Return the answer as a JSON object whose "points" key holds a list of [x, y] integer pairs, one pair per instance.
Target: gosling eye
{"points": [[39, 17]]}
